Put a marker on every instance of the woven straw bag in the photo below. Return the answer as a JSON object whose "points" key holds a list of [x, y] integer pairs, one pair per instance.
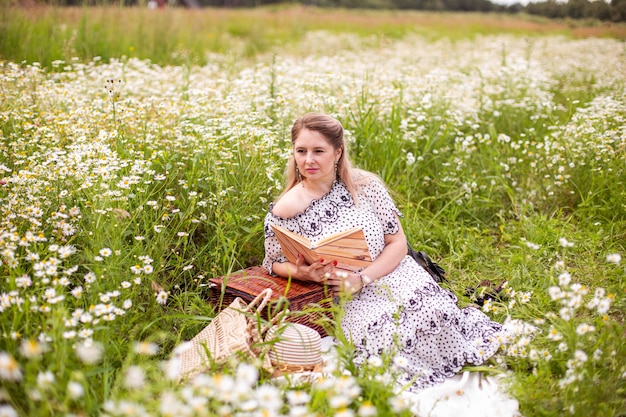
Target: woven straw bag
{"points": [[234, 330]]}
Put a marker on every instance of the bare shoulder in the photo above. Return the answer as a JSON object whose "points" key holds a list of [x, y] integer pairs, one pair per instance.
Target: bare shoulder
{"points": [[290, 204], [365, 178]]}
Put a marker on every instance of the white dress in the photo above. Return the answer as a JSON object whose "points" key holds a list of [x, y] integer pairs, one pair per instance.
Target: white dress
{"points": [[405, 313]]}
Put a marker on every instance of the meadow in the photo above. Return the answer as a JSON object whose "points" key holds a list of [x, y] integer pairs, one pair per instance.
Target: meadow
{"points": [[130, 174]]}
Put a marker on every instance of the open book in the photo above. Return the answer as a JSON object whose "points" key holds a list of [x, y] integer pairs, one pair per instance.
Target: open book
{"points": [[348, 248]]}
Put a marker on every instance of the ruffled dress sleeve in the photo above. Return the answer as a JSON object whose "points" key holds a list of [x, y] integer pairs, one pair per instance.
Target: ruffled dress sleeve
{"points": [[273, 251], [381, 203]]}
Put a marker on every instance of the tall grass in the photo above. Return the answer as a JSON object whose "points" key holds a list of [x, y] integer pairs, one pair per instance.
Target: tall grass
{"points": [[125, 185], [179, 36]]}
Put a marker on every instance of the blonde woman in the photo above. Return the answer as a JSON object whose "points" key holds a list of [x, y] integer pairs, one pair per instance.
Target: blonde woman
{"points": [[395, 305]]}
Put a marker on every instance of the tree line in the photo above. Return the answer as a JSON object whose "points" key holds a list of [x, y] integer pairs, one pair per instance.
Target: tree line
{"points": [[613, 10]]}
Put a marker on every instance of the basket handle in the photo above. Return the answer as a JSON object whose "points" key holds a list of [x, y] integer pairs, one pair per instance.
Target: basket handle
{"points": [[262, 299], [274, 321]]}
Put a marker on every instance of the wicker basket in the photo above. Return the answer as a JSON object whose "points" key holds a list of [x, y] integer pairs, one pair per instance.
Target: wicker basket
{"points": [[308, 302]]}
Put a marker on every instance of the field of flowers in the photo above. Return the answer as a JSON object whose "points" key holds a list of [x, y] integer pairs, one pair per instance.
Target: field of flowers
{"points": [[125, 185]]}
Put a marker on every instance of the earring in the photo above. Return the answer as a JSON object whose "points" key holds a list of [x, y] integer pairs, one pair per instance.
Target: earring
{"points": [[336, 166], [298, 175]]}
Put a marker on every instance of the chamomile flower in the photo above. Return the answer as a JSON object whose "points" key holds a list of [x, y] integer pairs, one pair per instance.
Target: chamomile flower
{"points": [[524, 297], [75, 390], [135, 378], [89, 352], [564, 279], [614, 258], [247, 374], [398, 404], [367, 409], [374, 361], [344, 412], [89, 277], [269, 396], [9, 368], [146, 348], [401, 362], [553, 334], [339, 401], [45, 379], [584, 328], [30, 348], [533, 246], [580, 356], [297, 397], [161, 297]]}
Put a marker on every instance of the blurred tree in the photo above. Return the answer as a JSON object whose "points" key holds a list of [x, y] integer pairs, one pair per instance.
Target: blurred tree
{"points": [[599, 9], [577, 9], [618, 10], [554, 9]]}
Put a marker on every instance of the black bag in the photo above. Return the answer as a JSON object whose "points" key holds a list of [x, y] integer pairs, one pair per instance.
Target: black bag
{"points": [[425, 262]]}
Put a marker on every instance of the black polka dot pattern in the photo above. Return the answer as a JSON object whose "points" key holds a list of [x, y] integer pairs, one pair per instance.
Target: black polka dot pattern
{"points": [[405, 312]]}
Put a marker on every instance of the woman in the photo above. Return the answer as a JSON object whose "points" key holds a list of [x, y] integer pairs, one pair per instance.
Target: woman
{"points": [[395, 306]]}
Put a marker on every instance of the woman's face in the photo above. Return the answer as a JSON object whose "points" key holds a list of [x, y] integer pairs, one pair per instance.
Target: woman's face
{"points": [[315, 157]]}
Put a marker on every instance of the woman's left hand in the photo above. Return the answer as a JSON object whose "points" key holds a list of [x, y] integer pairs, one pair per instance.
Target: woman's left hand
{"points": [[342, 282]]}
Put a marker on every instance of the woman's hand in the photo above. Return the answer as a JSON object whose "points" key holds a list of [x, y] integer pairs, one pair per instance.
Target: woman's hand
{"points": [[315, 272], [342, 282]]}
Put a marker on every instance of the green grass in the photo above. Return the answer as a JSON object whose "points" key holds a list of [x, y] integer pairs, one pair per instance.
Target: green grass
{"points": [[179, 36], [499, 151]]}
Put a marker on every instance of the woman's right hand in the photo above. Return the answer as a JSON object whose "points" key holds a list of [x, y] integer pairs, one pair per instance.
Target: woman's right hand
{"points": [[315, 272]]}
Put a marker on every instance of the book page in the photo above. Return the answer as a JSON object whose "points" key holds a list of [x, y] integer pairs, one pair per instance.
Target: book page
{"points": [[348, 248], [293, 244], [340, 235]]}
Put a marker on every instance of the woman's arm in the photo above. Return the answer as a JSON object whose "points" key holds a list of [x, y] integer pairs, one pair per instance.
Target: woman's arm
{"points": [[300, 270], [394, 252]]}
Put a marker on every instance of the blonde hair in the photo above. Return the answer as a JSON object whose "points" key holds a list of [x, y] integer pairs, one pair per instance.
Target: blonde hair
{"points": [[332, 130]]}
